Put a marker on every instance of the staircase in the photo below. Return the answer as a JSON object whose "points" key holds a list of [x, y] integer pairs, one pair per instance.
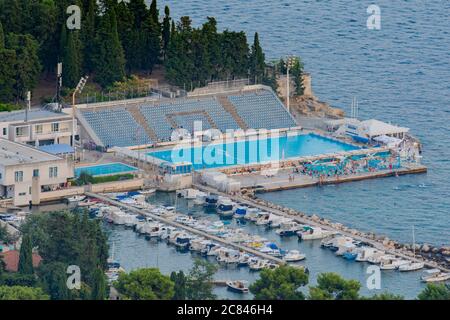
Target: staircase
{"points": [[206, 114], [139, 117], [231, 109]]}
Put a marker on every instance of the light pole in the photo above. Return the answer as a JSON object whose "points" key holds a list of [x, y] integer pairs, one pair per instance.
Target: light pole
{"points": [[289, 64], [78, 89]]}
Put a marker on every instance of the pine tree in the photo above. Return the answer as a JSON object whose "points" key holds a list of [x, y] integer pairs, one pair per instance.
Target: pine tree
{"points": [[26, 256], [109, 65], [257, 61]]}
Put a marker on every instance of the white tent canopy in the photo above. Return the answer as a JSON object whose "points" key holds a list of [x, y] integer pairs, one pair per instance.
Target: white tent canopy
{"points": [[389, 141], [375, 128]]}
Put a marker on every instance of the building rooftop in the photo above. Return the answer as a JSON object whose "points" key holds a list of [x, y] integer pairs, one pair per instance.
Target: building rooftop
{"points": [[12, 153], [33, 114]]}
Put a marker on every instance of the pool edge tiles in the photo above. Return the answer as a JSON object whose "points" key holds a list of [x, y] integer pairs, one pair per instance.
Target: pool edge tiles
{"points": [[90, 169], [253, 150]]}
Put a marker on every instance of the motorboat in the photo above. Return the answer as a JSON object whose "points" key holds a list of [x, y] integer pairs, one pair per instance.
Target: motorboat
{"points": [[288, 228], [392, 264], [294, 256], [225, 208], [257, 264], [313, 233], [238, 286], [240, 212], [252, 214], [200, 198], [188, 194], [243, 260], [378, 258], [411, 266], [350, 255], [435, 275], [263, 219], [148, 192], [197, 245], [76, 198], [364, 253]]}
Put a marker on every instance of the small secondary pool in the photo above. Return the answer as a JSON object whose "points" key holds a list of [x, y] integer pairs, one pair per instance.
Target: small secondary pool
{"points": [[251, 151], [106, 169]]}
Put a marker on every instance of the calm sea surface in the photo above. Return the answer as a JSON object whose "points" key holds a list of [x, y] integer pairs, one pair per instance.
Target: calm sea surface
{"points": [[399, 74]]}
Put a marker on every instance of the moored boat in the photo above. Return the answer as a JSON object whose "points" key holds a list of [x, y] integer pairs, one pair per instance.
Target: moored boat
{"points": [[238, 286], [435, 275], [294, 256]]}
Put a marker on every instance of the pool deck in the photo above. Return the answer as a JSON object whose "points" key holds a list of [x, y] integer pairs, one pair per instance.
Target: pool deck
{"points": [[281, 180]]}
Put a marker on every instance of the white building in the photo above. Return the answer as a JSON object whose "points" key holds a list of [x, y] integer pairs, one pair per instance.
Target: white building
{"points": [[41, 128], [28, 175]]}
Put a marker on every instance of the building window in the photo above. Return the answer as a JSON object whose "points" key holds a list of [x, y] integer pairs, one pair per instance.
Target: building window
{"points": [[5, 132], [53, 172], [55, 127], [18, 176], [36, 173], [38, 128], [20, 132]]}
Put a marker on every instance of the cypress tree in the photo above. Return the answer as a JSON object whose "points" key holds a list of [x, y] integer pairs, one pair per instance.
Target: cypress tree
{"points": [[98, 286], [88, 34], [71, 57], [26, 256], [166, 32], [257, 60], [109, 65], [154, 13]]}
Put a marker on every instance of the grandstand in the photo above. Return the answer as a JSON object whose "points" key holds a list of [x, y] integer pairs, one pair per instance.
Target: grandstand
{"points": [[153, 122]]}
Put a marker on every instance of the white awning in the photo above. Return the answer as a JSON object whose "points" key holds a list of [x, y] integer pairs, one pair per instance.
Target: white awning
{"points": [[374, 128], [390, 141]]}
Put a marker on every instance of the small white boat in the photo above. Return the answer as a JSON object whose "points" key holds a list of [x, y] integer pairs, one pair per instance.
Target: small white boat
{"points": [[313, 233], [188, 194], [411, 266], [237, 286], [76, 198], [257, 264], [225, 208], [294, 256], [392, 264], [252, 214], [435, 275], [148, 192], [263, 219]]}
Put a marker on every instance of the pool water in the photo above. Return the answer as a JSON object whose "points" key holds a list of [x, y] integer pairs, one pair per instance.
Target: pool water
{"points": [[251, 151], [105, 169]]}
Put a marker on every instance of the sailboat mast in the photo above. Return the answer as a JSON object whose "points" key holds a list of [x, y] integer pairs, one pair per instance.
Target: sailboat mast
{"points": [[414, 242]]}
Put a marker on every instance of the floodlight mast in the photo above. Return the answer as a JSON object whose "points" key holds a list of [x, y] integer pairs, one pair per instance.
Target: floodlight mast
{"points": [[80, 86]]}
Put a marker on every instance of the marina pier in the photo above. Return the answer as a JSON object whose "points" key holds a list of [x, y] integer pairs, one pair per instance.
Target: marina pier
{"points": [[302, 218], [187, 228]]}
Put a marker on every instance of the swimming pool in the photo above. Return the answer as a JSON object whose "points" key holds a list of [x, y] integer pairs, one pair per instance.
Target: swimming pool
{"points": [[106, 169], [251, 151]]}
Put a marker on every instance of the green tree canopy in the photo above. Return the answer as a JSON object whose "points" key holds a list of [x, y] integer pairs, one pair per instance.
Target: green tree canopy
{"points": [[282, 283], [22, 293], [331, 286], [53, 279], [145, 284], [435, 292], [179, 280]]}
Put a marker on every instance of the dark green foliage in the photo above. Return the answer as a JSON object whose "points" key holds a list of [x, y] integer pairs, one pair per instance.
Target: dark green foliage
{"points": [[71, 57], [435, 292], [70, 240], [85, 179], [199, 281], [109, 60], [331, 286], [179, 280], [26, 63], [98, 286], [145, 284], [385, 296], [53, 279], [2, 37], [166, 25], [282, 283], [22, 293], [17, 279], [26, 256]]}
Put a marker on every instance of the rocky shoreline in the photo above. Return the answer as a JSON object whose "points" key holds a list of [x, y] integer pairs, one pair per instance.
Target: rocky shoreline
{"points": [[439, 255]]}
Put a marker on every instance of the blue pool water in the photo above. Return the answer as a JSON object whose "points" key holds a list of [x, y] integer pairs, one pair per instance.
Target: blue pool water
{"points": [[253, 151], [105, 169]]}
